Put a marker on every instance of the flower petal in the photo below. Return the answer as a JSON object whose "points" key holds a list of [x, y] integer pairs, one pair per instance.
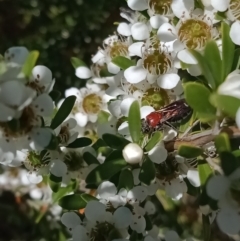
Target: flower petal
{"points": [[234, 32], [186, 57], [135, 74], [168, 81], [138, 5], [172, 236], [94, 210], [79, 233], [124, 29], [140, 31], [16, 55], [166, 32], [138, 223], [213, 185], [193, 177], [113, 68], [81, 119], [122, 217], [146, 110], [182, 7], [158, 154], [70, 219], [34, 177], [58, 168], [136, 49], [42, 74], [125, 105], [157, 20], [43, 105], [83, 72], [106, 189], [220, 5]]}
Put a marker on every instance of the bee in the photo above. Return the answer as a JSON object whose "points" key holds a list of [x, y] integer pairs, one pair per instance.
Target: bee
{"points": [[166, 116]]}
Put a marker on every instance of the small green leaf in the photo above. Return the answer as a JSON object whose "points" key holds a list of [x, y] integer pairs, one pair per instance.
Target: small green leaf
{"points": [[105, 171], [204, 67], [147, 172], [191, 190], [134, 122], [77, 62], [64, 111], [87, 197], [30, 63], [206, 228], [99, 143], [197, 96], [188, 151], [55, 95], [227, 104], [80, 142], [72, 202], [228, 48], [222, 143], [126, 180], [229, 162], [204, 171], [89, 158], [156, 137], [123, 62], [115, 142], [54, 182], [213, 58], [104, 72], [236, 60], [103, 117]]}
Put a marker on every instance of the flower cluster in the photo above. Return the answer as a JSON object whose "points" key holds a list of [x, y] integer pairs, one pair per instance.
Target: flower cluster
{"points": [[158, 118]]}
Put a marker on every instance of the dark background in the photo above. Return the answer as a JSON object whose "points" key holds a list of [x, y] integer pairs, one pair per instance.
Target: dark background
{"points": [[59, 30]]}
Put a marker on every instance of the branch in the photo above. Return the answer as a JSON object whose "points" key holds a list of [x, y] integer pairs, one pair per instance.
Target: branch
{"points": [[200, 139]]}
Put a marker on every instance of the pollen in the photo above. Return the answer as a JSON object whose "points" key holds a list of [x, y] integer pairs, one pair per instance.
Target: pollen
{"points": [[156, 62], [155, 97], [162, 7], [92, 103], [118, 49], [195, 33], [234, 9]]}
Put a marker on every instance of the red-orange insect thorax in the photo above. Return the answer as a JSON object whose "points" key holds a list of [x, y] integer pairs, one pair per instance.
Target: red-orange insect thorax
{"points": [[154, 118]]}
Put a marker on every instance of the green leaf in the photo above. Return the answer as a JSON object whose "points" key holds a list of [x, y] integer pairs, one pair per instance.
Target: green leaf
{"points": [[54, 182], [228, 48], [102, 117], [104, 72], [188, 151], [147, 172], [105, 171], [123, 62], [197, 96], [191, 190], [64, 111], [236, 60], [204, 171], [204, 67], [80, 142], [77, 62], [134, 122], [30, 63], [206, 228], [55, 95], [114, 141], [99, 143], [87, 197], [227, 104], [126, 180], [213, 58], [156, 137], [222, 143], [114, 155], [72, 202], [89, 158], [229, 162]]}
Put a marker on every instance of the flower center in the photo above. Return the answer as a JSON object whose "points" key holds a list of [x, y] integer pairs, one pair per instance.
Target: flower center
{"points": [[156, 62], [194, 33], [167, 170], [21, 126], [234, 8], [73, 160], [92, 103], [155, 97], [64, 134], [162, 7], [92, 134], [118, 48], [101, 232], [36, 86]]}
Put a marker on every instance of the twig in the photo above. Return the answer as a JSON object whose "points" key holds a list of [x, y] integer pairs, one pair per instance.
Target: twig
{"points": [[200, 139]]}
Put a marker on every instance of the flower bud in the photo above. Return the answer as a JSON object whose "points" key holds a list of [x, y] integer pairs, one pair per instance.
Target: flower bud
{"points": [[132, 153]]}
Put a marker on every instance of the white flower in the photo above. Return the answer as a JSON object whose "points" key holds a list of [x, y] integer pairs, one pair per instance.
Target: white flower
{"points": [[99, 220], [228, 217], [132, 153], [66, 132], [138, 5], [14, 59], [90, 100]]}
